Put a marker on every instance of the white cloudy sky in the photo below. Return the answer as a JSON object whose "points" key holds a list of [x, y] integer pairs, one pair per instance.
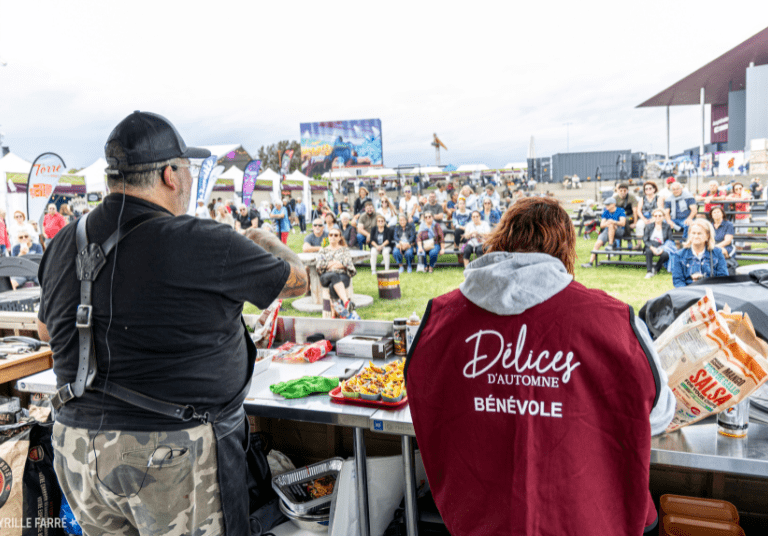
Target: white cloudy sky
{"points": [[485, 76]]}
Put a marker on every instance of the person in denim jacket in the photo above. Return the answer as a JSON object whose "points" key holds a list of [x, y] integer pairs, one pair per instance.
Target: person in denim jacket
{"points": [[699, 257], [404, 240]]}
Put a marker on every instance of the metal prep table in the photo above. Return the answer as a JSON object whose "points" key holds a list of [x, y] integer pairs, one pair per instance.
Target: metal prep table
{"points": [[697, 446], [316, 409], [319, 409]]}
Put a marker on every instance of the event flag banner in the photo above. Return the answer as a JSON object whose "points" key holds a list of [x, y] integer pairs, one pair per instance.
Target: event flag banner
{"points": [[43, 177], [286, 167], [205, 175], [340, 144], [249, 180], [218, 170]]}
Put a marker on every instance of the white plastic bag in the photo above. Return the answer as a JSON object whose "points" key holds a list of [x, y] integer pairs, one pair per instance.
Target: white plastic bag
{"points": [[386, 488]]}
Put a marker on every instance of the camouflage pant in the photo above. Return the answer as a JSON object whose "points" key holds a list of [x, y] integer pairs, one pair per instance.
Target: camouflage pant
{"points": [[140, 483]]}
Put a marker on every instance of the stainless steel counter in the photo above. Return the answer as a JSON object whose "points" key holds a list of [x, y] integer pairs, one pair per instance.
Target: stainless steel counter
{"points": [[699, 446], [315, 408]]}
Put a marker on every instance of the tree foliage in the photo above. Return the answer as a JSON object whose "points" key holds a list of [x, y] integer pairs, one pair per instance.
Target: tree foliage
{"points": [[271, 154]]}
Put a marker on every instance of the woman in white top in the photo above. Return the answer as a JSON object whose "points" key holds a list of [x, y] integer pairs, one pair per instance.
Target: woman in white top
{"points": [[223, 216], [475, 233], [389, 211], [20, 223]]}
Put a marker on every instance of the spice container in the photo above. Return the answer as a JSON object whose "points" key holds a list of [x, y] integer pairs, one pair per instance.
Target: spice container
{"points": [[734, 421], [398, 330], [411, 328]]}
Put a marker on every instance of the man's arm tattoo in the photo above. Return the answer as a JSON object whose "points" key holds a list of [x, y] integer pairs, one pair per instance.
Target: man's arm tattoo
{"points": [[296, 285]]}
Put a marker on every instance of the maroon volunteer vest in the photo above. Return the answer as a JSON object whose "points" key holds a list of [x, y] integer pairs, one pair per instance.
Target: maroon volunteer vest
{"points": [[538, 423]]}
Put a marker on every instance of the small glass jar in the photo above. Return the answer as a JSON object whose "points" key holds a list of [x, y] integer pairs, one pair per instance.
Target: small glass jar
{"points": [[399, 335], [734, 421]]}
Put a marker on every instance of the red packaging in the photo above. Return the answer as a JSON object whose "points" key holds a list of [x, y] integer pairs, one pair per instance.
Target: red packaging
{"points": [[292, 352]]}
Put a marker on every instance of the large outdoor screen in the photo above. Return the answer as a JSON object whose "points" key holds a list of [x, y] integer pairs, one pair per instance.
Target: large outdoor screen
{"points": [[340, 144]]}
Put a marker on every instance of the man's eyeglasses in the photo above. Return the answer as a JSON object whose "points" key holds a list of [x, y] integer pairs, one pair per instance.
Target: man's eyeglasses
{"points": [[23, 236], [194, 169], [317, 225]]}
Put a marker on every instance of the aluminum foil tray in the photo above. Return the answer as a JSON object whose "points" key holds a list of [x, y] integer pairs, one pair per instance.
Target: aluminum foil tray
{"points": [[282, 485]]}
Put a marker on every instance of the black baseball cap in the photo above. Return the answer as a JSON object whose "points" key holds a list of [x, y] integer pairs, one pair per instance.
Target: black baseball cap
{"points": [[146, 138]]}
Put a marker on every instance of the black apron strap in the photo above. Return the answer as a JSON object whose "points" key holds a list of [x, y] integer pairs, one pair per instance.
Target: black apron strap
{"points": [[90, 259]]}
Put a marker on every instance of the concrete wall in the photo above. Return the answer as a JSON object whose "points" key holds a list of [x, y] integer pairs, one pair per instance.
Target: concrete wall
{"points": [[737, 120], [756, 104]]}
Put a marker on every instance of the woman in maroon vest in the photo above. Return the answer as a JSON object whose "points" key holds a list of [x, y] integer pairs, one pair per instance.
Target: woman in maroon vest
{"points": [[534, 398]]}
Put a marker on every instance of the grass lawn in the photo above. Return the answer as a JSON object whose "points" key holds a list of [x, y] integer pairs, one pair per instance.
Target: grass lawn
{"points": [[627, 284]]}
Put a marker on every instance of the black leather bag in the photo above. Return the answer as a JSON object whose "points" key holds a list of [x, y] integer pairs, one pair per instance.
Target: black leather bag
{"points": [[264, 504], [745, 293]]}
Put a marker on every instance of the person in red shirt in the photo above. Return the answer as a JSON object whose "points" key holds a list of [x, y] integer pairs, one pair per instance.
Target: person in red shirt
{"points": [[5, 242], [712, 194], [53, 222], [534, 398]]}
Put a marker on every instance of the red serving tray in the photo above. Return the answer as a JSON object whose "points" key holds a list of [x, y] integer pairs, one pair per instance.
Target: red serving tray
{"points": [[339, 398]]}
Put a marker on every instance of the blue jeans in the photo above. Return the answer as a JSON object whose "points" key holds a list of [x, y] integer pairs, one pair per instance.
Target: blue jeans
{"points": [[432, 256], [398, 255], [681, 223], [361, 241]]}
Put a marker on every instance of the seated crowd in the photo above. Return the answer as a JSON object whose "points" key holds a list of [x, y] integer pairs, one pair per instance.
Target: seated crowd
{"points": [[660, 223], [412, 227]]}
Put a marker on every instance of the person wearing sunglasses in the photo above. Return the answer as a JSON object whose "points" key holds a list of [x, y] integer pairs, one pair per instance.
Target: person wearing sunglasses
{"points": [[164, 323], [315, 240], [646, 206], [489, 214], [429, 242], [336, 269], [654, 237], [20, 223], [25, 246]]}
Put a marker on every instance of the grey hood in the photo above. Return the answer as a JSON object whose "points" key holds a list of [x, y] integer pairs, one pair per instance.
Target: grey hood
{"points": [[510, 283]]}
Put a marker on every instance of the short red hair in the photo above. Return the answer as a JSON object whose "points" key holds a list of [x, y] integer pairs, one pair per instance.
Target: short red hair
{"points": [[536, 225]]}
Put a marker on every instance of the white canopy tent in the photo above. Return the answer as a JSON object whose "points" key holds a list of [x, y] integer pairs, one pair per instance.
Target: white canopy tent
{"points": [[234, 174], [337, 174], [269, 175], [9, 199], [95, 176], [306, 190], [379, 172], [426, 169], [472, 167]]}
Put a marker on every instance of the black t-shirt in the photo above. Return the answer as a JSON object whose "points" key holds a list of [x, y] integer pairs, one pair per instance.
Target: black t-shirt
{"points": [[177, 296], [381, 236], [245, 221]]}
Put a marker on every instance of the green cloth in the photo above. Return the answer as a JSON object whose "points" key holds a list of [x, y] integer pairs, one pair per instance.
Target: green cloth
{"points": [[305, 386]]}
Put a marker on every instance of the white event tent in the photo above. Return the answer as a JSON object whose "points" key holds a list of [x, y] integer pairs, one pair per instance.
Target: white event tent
{"points": [[9, 199], [472, 167], [234, 174], [95, 176], [306, 190], [269, 175], [379, 172], [337, 174], [426, 169]]}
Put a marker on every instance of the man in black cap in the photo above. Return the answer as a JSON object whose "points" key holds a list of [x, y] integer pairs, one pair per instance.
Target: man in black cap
{"points": [[152, 358]]}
